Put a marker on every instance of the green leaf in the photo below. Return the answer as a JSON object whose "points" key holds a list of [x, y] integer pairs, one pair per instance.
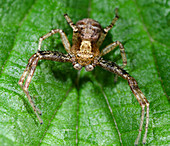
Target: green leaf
{"points": [[74, 103]]}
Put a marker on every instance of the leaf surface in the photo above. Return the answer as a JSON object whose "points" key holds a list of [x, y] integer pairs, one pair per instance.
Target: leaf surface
{"points": [[74, 104]]}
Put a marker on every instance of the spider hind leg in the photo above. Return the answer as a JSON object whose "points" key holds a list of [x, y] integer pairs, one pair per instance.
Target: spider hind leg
{"points": [[112, 67], [29, 71]]}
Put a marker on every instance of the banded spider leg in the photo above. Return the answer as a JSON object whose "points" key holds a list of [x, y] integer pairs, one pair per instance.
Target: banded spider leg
{"points": [[33, 61], [30, 69], [112, 67], [113, 45]]}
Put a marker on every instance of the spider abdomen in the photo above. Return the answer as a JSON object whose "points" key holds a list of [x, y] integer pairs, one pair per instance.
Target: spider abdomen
{"points": [[89, 29]]}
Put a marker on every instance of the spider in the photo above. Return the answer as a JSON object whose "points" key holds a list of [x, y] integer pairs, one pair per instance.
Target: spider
{"points": [[88, 36]]}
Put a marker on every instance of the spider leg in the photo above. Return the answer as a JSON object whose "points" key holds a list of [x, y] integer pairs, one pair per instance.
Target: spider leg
{"points": [[30, 69], [112, 67], [63, 38], [143, 102], [32, 63], [106, 30], [111, 47], [74, 27], [70, 22], [113, 21]]}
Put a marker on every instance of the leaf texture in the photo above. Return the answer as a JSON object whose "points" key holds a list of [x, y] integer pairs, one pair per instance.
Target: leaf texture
{"points": [[74, 104]]}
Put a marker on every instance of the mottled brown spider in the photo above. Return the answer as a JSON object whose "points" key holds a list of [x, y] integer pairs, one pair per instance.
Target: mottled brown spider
{"points": [[88, 36]]}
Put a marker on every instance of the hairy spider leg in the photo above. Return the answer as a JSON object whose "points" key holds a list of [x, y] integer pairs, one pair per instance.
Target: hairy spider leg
{"points": [[113, 21], [63, 38], [32, 63], [70, 22], [106, 30], [74, 27], [112, 67], [143, 102], [111, 47], [30, 69]]}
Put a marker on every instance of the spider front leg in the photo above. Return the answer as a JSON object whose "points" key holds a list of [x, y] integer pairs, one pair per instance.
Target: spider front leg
{"points": [[70, 22], [75, 39], [112, 67], [30, 69], [106, 30]]}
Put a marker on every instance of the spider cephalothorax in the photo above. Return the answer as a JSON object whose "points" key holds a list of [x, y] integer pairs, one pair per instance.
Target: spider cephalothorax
{"points": [[88, 36]]}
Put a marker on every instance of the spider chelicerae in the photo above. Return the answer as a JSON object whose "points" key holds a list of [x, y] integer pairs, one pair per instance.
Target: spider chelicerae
{"points": [[88, 36]]}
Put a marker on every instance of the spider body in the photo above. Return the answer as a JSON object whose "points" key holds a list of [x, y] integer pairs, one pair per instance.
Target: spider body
{"points": [[84, 43], [88, 36]]}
